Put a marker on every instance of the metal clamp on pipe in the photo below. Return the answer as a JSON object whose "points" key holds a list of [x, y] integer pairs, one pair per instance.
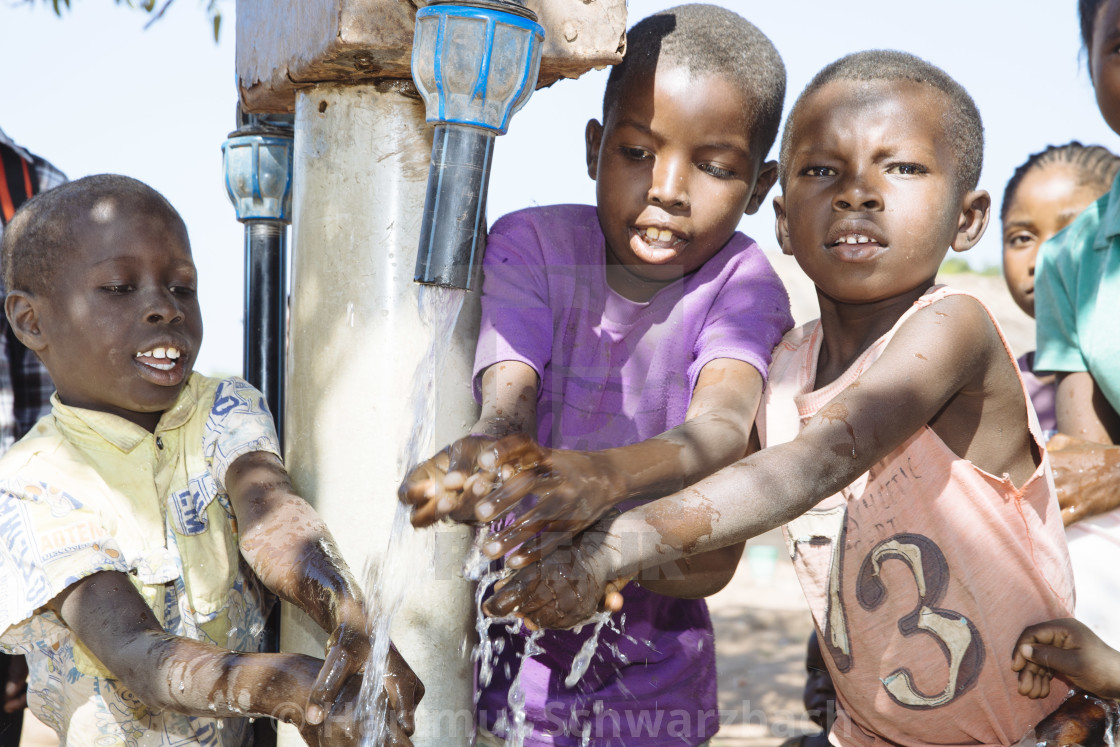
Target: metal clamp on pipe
{"points": [[475, 63]]}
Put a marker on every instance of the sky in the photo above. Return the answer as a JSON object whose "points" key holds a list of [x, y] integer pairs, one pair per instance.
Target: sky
{"points": [[95, 92]]}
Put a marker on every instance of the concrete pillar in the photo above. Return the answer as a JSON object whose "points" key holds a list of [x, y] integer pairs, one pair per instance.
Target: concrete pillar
{"points": [[356, 338]]}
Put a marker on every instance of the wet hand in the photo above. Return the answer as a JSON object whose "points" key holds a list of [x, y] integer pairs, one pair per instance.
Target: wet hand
{"points": [[450, 483], [1087, 476], [341, 725], [404, 690], [564, 589], [572, 490], [1070, 649], [347, 651]]}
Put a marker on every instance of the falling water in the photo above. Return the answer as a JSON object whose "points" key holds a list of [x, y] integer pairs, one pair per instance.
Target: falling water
{"points": [[385, 584]]}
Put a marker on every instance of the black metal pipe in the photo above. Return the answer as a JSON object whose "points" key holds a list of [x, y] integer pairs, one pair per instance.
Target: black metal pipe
{"points": [[266, 301], [453, 235]]}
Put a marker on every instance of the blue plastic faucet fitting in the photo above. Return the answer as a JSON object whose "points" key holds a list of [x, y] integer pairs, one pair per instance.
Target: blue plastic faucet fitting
{"points": [[257, 160], [475, 63]]}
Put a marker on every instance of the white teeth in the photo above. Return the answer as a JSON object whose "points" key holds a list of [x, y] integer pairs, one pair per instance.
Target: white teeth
{"points": [[665, 235], [161, 353], [854, 240], [651, 233]]}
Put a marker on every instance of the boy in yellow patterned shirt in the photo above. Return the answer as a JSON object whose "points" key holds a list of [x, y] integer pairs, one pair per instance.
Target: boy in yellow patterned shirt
{"points": [[140, 518]]}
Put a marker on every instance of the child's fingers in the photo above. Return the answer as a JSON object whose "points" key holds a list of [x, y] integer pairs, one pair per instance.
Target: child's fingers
{"points": [[612, 599], [399, 736], [337, 668], [537, 541], [518, 450], [403, 691], [506, 497], [430, 511], [462, 456], [1033, 685], [517, 596]]}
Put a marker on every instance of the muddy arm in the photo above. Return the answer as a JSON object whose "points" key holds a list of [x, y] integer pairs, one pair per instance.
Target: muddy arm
{"points": [[109, 616], [290, 548]]}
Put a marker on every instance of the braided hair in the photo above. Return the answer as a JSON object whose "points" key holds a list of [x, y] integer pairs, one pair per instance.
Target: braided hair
{"points": [[1095, 165]]}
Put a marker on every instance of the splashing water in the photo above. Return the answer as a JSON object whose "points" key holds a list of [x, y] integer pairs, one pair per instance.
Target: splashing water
{"points": [[385, 584], [517, 729], [587, 651]]}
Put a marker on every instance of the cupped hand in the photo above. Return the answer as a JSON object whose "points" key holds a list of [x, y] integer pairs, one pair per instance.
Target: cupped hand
{"points": [[1087, 476], [450, 483], [571, 489], [565, 588]]}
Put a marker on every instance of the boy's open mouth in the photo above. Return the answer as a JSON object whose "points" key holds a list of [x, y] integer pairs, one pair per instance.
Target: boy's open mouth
{"points": [[655, 245], [856, 247], [160, 358]]}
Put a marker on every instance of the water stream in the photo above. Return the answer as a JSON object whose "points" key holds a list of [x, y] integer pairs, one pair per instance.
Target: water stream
{"points": [[386, 581]]}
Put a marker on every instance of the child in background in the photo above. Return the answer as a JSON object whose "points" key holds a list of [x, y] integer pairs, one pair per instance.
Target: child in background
{"points": [[142, 515], [899, 444], [1075, 299], [631, 340], [1042, 197]]}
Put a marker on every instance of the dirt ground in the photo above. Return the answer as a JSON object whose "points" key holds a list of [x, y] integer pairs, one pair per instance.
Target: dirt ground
{"points": [[761, 621]]}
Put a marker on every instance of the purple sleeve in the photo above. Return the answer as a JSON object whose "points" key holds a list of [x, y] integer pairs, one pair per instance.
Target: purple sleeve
{"points": [[747, 318], [516, 317]]}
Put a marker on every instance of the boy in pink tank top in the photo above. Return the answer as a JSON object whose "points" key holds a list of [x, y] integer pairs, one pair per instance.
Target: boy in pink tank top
{"points": [[902, 453]]}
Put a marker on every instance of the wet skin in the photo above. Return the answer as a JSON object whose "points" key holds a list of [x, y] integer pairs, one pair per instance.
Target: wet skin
{"points": [[1079, 720], [945, 367], [1047, 200], [673, 154], [129, 290]]}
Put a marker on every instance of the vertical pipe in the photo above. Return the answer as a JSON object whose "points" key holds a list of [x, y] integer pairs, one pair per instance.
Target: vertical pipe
{"points": [[453, 234], [266, 294], [266, 298], [361, 164]]}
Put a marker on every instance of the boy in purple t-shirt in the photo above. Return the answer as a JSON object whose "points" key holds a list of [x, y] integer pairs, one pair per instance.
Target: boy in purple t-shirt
{"points": [[632, 340]]}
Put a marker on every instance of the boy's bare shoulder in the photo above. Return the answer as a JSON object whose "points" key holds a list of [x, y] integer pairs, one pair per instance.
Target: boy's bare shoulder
{"points": [[961, 315]]}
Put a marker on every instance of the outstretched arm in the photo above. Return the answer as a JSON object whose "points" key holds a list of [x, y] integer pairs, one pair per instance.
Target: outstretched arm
{"points": [[575, 488], [572, 489], [169, 672], [294, 554], [942, 354]]}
